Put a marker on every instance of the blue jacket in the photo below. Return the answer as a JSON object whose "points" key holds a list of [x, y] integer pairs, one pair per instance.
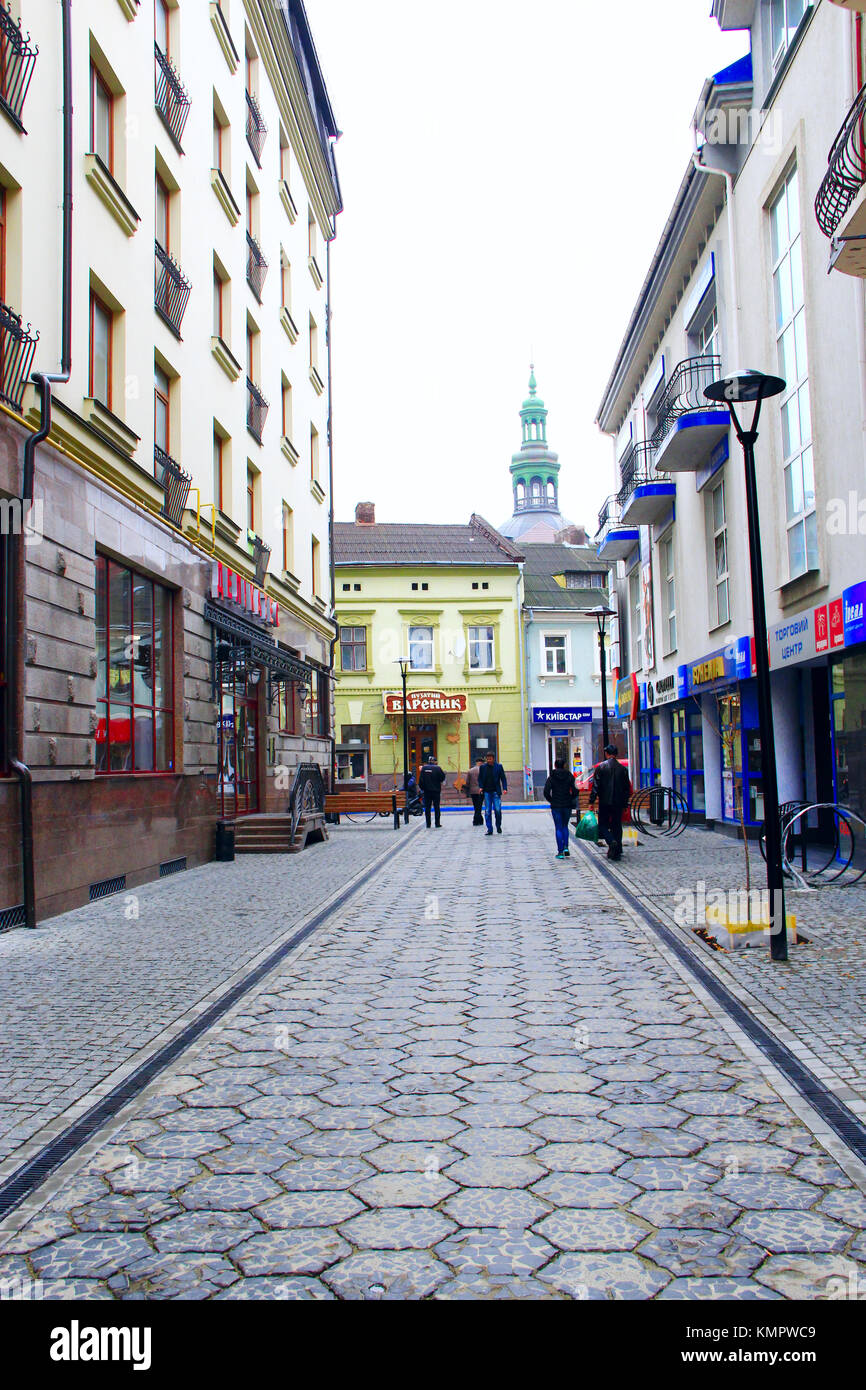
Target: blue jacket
{"points": [[492, 777]]}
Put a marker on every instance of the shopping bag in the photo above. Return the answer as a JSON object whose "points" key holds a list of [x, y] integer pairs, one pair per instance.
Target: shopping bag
{"points": [[587, 826]]}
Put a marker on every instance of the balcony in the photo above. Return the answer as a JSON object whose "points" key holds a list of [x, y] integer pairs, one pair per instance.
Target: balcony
{"points": [[171, 99], [257, 267], [17, 346], [261, 553], [644, 498], [689, 428], [257, 411], [172, 290], [535, 504], [840, 206], [175, 484], [256, 129], [614, 541], [17, 61]]}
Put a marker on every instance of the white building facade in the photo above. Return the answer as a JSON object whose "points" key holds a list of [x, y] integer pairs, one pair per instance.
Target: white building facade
{"points": [[740, 279]]}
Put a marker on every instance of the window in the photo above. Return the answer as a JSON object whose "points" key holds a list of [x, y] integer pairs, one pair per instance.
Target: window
{"points": [[481, 649], [351, 764], [720, 557], [316, 568], [785, 18], [101, 333], [251, 499], [636, 610], [317, 720], [220, 141], [285, 282], [742, 786], [648, 729], [483, 739], [314, 343], [285, 160], [687, 755], [288, 707], [314, 454], [288, 538], [287, 409], [218, 305], [101, 119], [586, 579], [161, 411], [554, 656], [421, 648], [162, 26], [134, 640], [796, 414], [422, 587], [163, 218], [707, 337], [353, 648], [669, 597], [219, 482], [311, 234]]}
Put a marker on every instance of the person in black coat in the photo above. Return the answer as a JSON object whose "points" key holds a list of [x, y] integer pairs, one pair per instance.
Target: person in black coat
{"points": [[430, 782], [561, 792], [491, 779], [611, 787]]}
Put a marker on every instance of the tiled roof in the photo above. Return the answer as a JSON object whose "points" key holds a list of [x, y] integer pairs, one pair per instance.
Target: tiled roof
{"points": [[402, 543], [542, 562]]}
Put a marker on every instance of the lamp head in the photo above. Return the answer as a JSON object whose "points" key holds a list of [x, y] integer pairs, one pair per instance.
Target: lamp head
{"points": [[744, 386]]}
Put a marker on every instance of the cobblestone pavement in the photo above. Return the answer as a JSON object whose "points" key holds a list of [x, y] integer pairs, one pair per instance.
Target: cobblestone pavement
{"points": [[819, 997], [88, 991], [482, 1078]]}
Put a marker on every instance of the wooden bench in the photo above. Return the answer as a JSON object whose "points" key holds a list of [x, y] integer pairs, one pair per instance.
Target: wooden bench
{"points": [[345, 803]]}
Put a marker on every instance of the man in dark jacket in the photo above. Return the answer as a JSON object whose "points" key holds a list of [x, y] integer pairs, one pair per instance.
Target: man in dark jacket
{"points": [[491, 779], [560, 791], [611, 788], [430, 782]]}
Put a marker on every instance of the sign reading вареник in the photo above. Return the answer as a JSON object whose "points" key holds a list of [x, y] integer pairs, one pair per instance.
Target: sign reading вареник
{"points": [[426, 702]]}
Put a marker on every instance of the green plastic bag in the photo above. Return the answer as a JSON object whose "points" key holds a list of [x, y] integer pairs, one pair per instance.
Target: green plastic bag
{"points": [[587, 826]]}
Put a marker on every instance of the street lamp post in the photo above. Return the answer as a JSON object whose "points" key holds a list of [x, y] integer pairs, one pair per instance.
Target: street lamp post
{"points": [[740, 388], [403, 663], [601, 615]]}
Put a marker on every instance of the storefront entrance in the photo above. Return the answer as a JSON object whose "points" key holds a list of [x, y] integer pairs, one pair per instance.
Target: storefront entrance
{"points": [[239, 743], [848, 706], [568, 747], [422, 746]]}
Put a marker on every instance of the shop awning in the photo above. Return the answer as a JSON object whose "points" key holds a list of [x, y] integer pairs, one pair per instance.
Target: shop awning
{"points": [[262, 648]]}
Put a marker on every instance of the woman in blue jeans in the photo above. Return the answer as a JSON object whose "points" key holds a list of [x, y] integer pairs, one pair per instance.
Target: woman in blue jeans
{"points": [[561, 792]]}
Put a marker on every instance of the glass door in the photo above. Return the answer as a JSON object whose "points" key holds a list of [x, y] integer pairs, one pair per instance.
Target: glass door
{"points": [[422, 745], [238, 783]]}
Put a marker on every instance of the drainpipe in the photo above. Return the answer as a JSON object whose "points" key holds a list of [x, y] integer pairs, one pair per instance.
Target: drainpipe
{"points": [[333, 776], [526, 722], [522, 677], [16, 579]]}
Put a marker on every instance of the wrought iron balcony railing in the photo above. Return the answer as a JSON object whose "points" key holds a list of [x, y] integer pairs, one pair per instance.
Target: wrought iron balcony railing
{"points": [[684, 393], [171, 98], [175, 484], [257, 267], [261, 558], [17, 61], [535, 504], [637, 467], [847, 169], [17, 346], [257, 411], [171, 289], [609, 514], [256, 129]]}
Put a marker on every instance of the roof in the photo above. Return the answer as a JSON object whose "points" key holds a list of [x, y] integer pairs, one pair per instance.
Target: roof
{"points": [[543, 561], [410, 543]]}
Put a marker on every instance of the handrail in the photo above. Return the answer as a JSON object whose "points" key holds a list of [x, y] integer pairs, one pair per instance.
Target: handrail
{"points": [[606, 515], [171, 290], [307, 794], [846, 173], [175, 483], [257, 266], [170, 96], [637, 467], [684, 393], [17, 346], [257, 410], [17, 61], [256, 128]]}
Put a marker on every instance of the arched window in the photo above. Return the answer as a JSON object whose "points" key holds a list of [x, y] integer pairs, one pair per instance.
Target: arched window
{"points": [[551, 490], [535, 492]]}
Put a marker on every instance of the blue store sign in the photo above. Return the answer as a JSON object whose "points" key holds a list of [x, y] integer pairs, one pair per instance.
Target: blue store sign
{"points": [[854, 607], [561, 714]]}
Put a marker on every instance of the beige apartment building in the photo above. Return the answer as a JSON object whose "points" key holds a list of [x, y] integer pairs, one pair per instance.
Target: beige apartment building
{"points": [[168, 196], [753, 271]]}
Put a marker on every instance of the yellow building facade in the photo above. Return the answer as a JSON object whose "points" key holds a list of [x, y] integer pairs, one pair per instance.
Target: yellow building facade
{"points": [[447, 599]]}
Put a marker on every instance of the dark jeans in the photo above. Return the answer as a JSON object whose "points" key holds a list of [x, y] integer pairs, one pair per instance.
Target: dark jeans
{"points": [[561, 816], [431, 799], [478, 802], [610, 828]]}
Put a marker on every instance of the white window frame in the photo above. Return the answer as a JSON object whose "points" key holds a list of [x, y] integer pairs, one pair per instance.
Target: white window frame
{"points": [[547, 652], [416, 642], [795, 409], [635, 608], [720, 578], [669, 591], [783, 8], [482, 645]]}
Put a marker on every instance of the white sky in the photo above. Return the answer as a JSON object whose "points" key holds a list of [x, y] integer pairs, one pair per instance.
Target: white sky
{"points": [[507, 169]]}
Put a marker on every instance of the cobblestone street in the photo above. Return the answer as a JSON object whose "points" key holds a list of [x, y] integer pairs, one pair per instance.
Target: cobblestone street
{"points": [[481, 1077]]}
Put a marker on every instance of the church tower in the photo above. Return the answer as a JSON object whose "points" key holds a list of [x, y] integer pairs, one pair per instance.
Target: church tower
{"points": [[534, 476]]}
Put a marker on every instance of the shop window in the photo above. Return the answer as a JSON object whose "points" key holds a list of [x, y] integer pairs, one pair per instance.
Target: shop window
{"points": [[421, 648], [848, 710], [481, 649], [742, 787], [352, 757], [287, 707], [649, 750], [555, 656], [317, 721], [135, 716], [353, 648], [483, 739], [687, 756]]}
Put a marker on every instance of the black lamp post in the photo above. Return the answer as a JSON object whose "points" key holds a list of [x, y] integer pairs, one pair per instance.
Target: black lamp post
{"points": [[403, 663], [601, 615], [741, 388]]}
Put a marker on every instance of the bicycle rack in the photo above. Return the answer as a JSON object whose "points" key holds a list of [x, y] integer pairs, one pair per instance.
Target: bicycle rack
{"points": [[806, 878], [664, 808]]}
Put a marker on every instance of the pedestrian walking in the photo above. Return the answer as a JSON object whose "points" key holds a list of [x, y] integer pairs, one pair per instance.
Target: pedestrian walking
{"points": [[561, 792], [491, 779], [430, 782], [611, 787], [473, 790]]}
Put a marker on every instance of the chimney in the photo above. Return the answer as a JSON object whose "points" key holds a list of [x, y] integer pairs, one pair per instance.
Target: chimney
{"points": [[572, 535], [365, 514]]}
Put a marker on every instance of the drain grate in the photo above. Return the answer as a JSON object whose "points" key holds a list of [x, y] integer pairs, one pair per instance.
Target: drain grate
{"points": [[106, 887], [12, 917], [172, 866]]}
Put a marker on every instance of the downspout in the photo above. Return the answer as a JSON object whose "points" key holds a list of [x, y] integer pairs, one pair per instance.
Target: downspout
{"points": [[333, 777], [524, 657], [17, 582], [524, 709]]}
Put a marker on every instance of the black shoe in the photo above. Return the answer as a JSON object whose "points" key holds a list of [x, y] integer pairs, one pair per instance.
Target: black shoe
{"points": [[566, 854], [499, 829], [438, 825], [490, 832]]}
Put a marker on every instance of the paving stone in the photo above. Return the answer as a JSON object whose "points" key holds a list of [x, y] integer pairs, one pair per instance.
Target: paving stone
{"points": [[609, 1276], [228, 1193], [277, 1289], [702, 1253], [719, 1290], [314, 1208], [768, 1191], [124, 1212], [308, 1250], [788, 1232], [706, 1211], [814, 1276], [398, 1228], [493, 1252], [387, 1275], [203, 1231], [585, 1190], [322, 1174], [420, 1128], [425, 1189], [182, 1144], [657, 1143], [591, 1230], [479, 1289], [495, 1206], [94, 1256], [671, 1174], [412, 1158], [495, 1170], [170, 1276]]}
